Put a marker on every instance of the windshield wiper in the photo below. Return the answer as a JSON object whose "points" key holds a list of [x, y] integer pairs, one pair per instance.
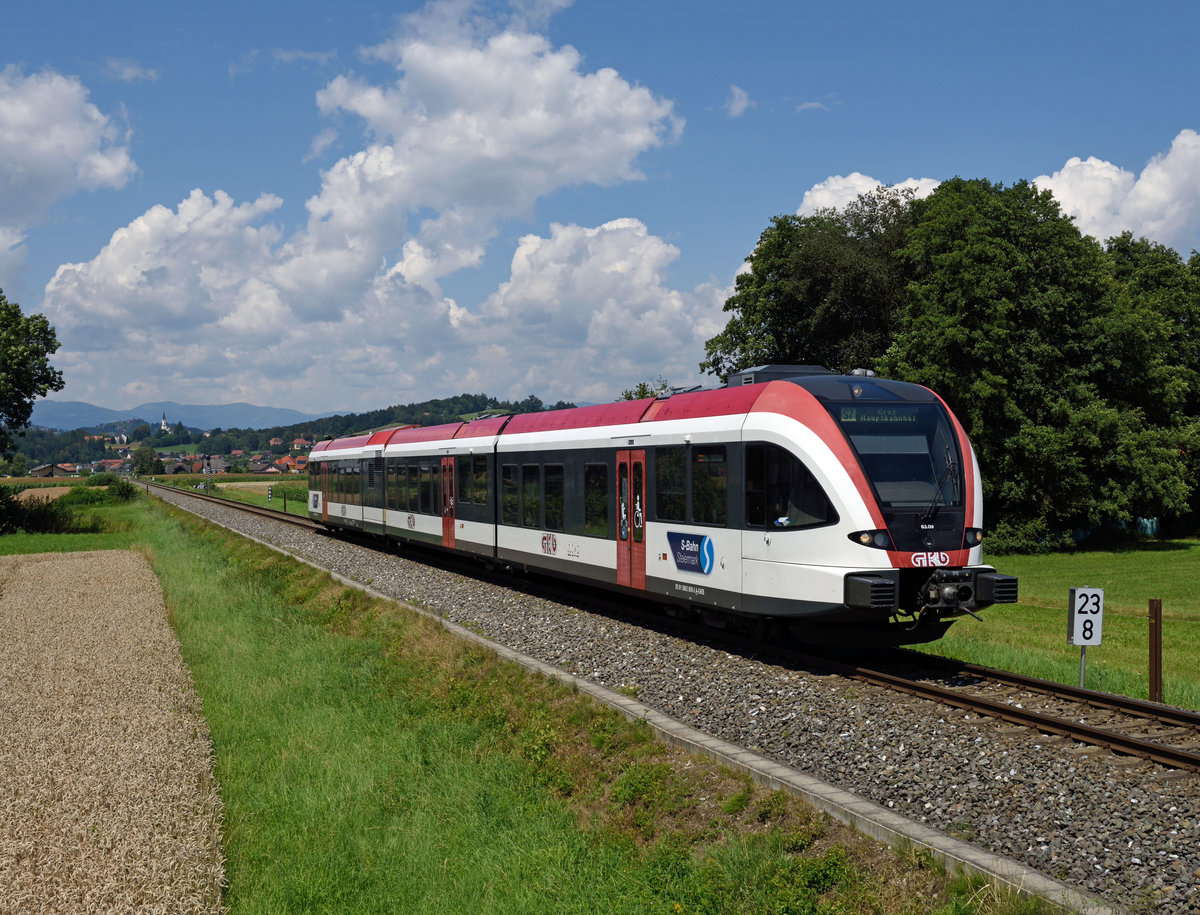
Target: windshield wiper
{"points": [[951, 467]]}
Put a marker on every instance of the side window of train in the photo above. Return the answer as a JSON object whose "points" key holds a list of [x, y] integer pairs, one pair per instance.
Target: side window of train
{"points": [[595, 500], [531, 495], [510, 495], [397, 496], [670, 483], [710, 485], [479, 463], [781, 493], [426, 507], [554, 481], [462, 475], [414, 489]]}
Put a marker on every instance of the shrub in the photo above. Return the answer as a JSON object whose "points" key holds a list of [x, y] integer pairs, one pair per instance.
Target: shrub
{"points": [[10, 510], [121, 490], [40, 516]]}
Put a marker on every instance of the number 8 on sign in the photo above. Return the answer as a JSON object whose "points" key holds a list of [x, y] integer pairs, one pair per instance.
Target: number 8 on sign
{"points": [[1085, 619]]}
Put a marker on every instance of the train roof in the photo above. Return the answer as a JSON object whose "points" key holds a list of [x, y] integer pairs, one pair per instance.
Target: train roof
{"points": [[762, 396]]}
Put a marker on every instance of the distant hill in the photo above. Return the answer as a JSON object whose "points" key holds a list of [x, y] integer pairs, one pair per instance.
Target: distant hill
{"points": [[67, 415]]}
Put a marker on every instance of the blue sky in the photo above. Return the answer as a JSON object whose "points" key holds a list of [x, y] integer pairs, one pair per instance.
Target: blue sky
{"points": [[341, 207]]}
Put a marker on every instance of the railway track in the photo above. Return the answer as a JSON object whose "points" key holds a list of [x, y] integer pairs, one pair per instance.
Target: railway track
{"points": [[1159, 733], [1133, 727], [284, 517]]}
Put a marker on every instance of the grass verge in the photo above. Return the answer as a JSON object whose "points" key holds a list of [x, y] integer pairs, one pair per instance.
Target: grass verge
{"points": [[1031, 636]]}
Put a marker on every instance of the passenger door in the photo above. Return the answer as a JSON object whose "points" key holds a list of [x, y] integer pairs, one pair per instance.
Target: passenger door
{"points": [[631, 519]]}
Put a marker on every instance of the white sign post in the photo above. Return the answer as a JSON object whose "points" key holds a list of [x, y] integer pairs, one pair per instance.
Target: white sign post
{"points": [[1085, 621]]}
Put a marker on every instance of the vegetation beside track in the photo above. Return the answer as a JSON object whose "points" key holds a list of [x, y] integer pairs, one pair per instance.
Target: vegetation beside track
{"points": [[283, 493], [1031, 637], [365, 756]]}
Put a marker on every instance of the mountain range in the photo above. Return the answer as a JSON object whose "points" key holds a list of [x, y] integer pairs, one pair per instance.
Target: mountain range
{"points": [[66, 415]]}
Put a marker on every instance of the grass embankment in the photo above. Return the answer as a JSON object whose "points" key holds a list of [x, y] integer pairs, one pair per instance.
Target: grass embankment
{"points": [[371, 762], [1031, 636]]}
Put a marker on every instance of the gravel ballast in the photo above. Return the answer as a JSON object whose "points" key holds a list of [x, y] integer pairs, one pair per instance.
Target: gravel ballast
{"points": [[107, 796], [1124, 830]]}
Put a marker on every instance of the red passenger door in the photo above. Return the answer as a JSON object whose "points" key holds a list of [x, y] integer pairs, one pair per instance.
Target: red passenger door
{"points": [[448, 491], [631, 519]]}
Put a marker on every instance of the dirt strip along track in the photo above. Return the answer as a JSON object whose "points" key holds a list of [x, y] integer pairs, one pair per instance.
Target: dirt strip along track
{"points": [[107, 796]]}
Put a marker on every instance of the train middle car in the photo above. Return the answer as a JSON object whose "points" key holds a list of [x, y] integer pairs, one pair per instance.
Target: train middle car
{"points": [[841, 505]]}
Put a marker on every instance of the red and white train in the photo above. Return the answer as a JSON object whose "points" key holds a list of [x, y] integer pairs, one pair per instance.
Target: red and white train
{"points": [[793, 494]]}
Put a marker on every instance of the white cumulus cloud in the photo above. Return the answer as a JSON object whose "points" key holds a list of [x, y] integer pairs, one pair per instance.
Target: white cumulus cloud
{"points": [[208, 298], [587, 305], [483, 127], [53, 143], [1162, 203], [837, 191], [739, 102]]}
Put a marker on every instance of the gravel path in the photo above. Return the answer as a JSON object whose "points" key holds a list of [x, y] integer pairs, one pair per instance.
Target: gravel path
{"points": [[1124, 830], [107, 797]]}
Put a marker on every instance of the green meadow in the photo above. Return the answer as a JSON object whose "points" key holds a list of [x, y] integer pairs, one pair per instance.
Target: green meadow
{"points": [[1031, 637]]}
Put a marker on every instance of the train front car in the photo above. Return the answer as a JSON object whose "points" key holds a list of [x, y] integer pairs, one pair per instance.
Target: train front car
{"points": [[899, 489]]}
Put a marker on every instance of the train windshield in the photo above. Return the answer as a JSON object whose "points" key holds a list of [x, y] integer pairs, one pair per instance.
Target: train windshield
{"points": [[907, 451]]}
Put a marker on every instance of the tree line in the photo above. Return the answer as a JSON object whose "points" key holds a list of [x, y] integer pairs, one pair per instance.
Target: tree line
{"points": [[1072, 364], [33, 446]]}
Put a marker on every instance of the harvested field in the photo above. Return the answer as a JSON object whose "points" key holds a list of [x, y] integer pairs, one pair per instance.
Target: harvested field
{"points": [[107, 796], [48, 493]]}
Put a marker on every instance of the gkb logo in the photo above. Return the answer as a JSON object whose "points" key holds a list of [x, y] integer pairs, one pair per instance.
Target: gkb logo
{"points": [[692, 552]]}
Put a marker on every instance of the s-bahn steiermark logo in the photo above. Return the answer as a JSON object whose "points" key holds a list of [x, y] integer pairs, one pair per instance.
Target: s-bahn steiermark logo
{"points": [[692, 552]]}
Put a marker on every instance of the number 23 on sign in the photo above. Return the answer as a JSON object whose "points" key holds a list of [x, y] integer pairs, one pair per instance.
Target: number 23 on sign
{"points": [[1085, 616]]}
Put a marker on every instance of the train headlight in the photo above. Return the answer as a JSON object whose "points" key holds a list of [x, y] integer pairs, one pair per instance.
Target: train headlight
{"points": [[879, 540], [973, 536]]}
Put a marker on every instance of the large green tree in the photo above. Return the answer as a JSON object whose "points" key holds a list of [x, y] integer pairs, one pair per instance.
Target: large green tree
{"points": [[26, 344], [1075, 367], [1021, 323], [821, 289], [146, 461]]}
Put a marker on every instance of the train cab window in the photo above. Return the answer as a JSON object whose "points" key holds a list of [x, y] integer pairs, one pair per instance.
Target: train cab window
{"points": [[595, 500], [710, 485], [670, 483], [908, 452], [531, 495], [479, 466], [554, 491], [781, 493], [510, 495]]}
